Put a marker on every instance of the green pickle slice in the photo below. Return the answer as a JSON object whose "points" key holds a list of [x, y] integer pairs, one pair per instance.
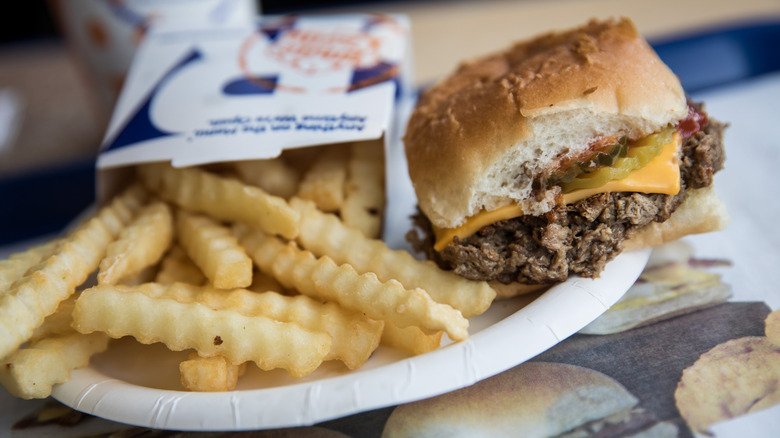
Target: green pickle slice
{"points": [[637, 156], [600, 159], [605, 159]]}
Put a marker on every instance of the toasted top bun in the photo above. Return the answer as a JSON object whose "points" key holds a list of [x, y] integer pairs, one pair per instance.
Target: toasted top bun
{"points": [[477, 139]]}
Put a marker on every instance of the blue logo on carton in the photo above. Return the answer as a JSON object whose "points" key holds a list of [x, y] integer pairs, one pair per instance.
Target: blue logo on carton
{"points": [[255, 85], [288, 56], [140, 126]]}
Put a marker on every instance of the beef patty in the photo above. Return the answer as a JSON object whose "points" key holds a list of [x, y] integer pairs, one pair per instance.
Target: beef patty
{"points": [[578, 238]]}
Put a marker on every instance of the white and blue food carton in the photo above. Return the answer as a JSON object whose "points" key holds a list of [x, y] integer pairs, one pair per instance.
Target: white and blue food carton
{"points": [[251, 90]]}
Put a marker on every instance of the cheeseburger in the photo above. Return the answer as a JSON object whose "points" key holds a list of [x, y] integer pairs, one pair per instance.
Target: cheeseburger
{"points": [[548, 159]]}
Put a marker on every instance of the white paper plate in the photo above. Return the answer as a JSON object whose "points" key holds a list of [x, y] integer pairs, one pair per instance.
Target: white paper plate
{"points": [[136, 384]]}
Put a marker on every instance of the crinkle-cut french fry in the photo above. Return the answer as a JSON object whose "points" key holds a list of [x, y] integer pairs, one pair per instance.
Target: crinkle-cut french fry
{"points": [[177, 267], [36, 295], [364, 191], [32, 371], [122, 208], [215, 250], [325, 234], [324, 182], [397, 304], [410, 339], [209, 374], [17, 265], [221, 198], [355, 336], [150, 313], [140, 245], [272, 175], [59, 322], [323, 278]]}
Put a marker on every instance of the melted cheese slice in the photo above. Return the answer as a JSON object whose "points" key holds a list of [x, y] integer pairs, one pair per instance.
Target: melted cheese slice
{"points": [[661, 175]]}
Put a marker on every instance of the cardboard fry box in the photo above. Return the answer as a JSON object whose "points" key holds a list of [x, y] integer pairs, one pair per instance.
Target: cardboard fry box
{"points": [[254, 90]]}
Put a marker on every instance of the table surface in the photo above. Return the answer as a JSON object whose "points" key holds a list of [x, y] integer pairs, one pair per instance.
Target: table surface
{"points": [[60, 125]]}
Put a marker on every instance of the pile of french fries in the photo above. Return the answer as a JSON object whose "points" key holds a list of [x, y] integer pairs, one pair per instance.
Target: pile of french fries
{"points": [[276, 262]]}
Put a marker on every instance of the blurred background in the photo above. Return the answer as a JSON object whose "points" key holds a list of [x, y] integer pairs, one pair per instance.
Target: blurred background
{"points": [[36, 20], [50, 123], [52, 119]]}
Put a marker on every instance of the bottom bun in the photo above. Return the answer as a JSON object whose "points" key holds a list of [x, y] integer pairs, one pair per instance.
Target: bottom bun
{"points": [[514, 289], [701, 212]]}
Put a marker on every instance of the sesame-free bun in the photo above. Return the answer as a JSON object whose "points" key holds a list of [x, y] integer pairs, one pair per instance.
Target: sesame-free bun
{"points": [[477, 139]]}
